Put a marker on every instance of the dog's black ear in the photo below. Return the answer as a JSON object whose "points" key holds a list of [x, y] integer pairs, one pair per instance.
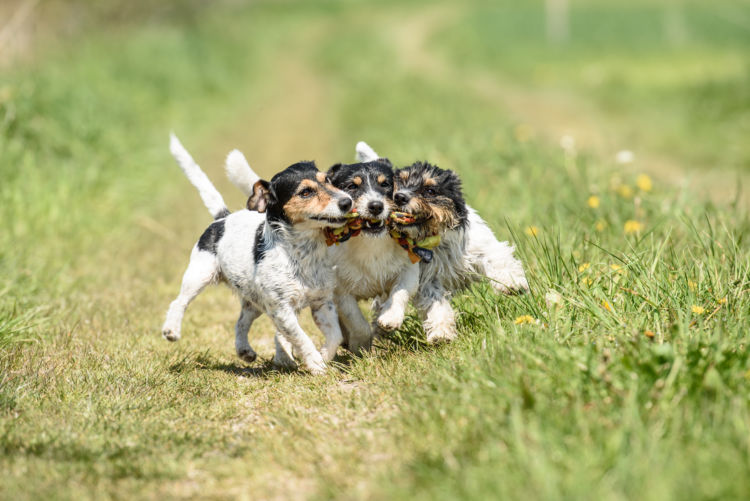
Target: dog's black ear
{"points": [[386, 161], [258, 201], [334, 170]]}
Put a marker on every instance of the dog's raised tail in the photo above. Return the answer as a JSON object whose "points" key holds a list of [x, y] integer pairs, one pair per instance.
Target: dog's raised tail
{"points": [[209, 194], [240, 173], [365, 153]]}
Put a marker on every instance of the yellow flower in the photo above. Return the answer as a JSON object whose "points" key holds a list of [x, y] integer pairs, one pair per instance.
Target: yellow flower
{"points": [[532, 231], [649, 334], [524, 319], [643, 182], [619, 269], [698, 310], [523, 133], [692, 285], [583, 267], [593, 201], [587, 281], [722, 300], [600, 225], [625, 191], [633, 226], [607, 306]]}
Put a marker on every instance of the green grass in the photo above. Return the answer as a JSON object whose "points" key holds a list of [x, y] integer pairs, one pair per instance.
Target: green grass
{"points": [[605, 382]]}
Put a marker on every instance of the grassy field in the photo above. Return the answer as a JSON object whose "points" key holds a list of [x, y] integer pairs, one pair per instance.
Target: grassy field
{"points": [[623, 374]]}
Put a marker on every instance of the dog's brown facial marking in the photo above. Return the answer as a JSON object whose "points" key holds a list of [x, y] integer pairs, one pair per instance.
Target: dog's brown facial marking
{"points": [[381, 179], [357, 180], [321, 177], [433, 196], [311, 198]]}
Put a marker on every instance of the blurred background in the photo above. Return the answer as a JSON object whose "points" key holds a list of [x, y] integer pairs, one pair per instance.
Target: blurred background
{"points": [[607, 139]]}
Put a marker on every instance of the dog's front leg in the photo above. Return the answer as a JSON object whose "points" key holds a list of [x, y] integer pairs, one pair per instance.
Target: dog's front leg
{"points": [[288, 326], [327, 321], [392, 312], [435, 310], [360, 337]]}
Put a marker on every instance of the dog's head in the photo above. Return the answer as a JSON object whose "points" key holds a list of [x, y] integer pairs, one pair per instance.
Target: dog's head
{"points": [[370, 184], [301, 196], [432, 197]]}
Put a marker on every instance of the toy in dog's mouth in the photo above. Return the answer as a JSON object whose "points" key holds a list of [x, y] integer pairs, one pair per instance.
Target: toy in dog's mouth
{"points": [[351, 228], [406, 219], [418, 250]]}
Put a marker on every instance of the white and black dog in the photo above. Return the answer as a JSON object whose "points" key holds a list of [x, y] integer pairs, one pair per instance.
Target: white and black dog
{"points": [[273, 256]]}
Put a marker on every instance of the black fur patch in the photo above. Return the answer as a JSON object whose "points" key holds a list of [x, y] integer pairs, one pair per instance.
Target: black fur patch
{"points": [[211, 237], [259, 248], [221, 215]]}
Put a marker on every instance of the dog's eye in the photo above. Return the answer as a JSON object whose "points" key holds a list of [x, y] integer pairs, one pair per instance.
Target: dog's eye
{"points": [[430, 192], [351, 187], [306, 193], [385, 184]]}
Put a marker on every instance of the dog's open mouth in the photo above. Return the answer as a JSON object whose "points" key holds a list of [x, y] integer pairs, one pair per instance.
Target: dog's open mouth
{"points": [[332, 221], [373, 225]]}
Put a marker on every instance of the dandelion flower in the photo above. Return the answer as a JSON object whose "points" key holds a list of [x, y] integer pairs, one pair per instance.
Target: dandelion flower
{"points": [[643, 182], [624, 157], [692, 285], [633, 226], [698, 310], [600, 225], [583, 267], [625, 191], [532, 231], [587, 281], [524, 319], [649, 334], [722, 300], [593, 201], [606, 305], [568, 143], [524, 133]]}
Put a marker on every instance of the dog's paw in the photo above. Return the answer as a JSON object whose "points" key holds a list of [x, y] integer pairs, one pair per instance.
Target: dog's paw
{"points": [[441, 335], [391, 319], [247, 354], [170, 334], [315, 367], [283, 361]]}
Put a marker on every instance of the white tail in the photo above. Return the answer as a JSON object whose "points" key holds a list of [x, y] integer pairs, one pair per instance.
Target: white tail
{"points": [[240, 173], [210, 196], [365, 153]]}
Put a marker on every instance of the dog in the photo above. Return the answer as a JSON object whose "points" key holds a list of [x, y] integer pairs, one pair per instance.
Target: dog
{"points": [[485, 255], [273, 255], [371, 265]]}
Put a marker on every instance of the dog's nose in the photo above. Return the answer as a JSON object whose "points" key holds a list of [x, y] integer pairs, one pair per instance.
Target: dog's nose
{"points": [[401, 198], [375, 207], [345, 204]]}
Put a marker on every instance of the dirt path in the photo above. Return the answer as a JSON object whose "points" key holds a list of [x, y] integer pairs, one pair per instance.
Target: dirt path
{"points": [[551, 114]]}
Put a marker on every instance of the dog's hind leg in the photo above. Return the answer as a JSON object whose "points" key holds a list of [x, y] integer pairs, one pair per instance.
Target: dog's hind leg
{"points": [[288, 326], [241, 344], [327, 321], [202, 270], [359, 334]]}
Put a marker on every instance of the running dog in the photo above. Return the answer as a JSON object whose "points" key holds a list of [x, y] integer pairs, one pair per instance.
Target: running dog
{"points": [[273, 255]]}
